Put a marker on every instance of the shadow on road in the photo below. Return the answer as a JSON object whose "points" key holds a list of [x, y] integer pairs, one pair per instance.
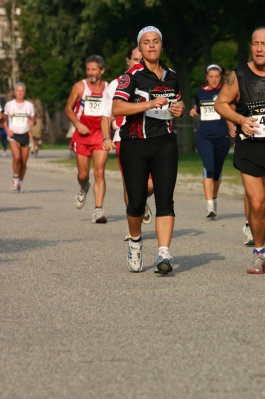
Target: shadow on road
{"points": [[9, 246], [23, 208], [186, 263]]}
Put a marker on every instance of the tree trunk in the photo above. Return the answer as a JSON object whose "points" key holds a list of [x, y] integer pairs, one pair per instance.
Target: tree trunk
{"points": [[184, 126], [50, 126], [243, 50]]}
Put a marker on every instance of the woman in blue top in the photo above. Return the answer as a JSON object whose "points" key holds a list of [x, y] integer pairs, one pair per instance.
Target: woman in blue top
{"points": [[212, 138]]}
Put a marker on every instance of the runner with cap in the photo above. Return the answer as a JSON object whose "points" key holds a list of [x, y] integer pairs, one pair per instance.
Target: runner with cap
{"points": [[133, 57], [148, 95], [212, 136]]}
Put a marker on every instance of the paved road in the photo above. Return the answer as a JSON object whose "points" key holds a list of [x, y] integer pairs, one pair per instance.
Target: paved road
{"points": [[76, 324]]}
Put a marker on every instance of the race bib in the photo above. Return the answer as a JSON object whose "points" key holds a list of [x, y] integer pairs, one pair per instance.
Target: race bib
{"points": [[208, 112], [257, 112], [20, 120], [92, 105], [163, 112]]}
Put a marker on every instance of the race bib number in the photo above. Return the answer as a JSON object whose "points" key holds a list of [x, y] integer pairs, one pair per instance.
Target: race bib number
{"points": [[163, 112], [208, 112], [20, 120], [257, 112], [92, 105]]}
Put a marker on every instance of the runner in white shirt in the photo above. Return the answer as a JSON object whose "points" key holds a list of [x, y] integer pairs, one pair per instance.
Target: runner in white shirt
{"points": [[133, 57], [20, 116]]}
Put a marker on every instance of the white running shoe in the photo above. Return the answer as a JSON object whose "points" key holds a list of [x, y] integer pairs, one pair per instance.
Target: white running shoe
{"points": [[14, 186], [215, 205], [20, 188], [210, 211], [80, 198], [147, 214], [134, 258], [258, 263], [249, 237], [98, 216], [164, 263]]}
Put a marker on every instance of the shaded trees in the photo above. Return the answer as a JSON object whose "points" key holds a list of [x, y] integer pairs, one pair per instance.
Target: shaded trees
{"points": [[58, 35]]}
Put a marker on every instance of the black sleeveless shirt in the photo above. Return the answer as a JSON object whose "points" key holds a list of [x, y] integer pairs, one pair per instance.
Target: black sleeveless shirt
{"points": [[252, 95]]}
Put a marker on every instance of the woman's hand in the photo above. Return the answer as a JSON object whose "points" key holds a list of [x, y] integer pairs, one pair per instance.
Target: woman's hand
{"points": [[193, 111], [177, 109], [158, 102], [9, 132]]}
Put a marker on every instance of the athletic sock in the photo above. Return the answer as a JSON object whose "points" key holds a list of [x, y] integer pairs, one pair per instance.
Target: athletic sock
{"points": [[261, 249], [247, 223], [161, 250], [136, 239], [210, 202], [20, 182]]}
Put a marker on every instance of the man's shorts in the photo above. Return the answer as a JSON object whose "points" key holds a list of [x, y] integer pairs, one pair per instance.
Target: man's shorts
{"points": [[86, 150], [22, 139], [118, 146], [249, 157]]}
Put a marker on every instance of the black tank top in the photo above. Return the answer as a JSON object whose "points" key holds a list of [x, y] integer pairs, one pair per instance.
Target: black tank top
{"points": [[252, 94]]}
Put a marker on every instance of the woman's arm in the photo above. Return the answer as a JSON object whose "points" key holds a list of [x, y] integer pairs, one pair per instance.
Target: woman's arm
{"points": [[125, 108]]}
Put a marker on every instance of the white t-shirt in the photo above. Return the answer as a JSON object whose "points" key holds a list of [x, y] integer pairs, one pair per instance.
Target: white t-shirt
{"points": [[19, 115], [106, 105]]}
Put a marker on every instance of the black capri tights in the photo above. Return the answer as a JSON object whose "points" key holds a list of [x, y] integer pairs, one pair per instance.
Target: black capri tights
{"points": [[158, 156]]}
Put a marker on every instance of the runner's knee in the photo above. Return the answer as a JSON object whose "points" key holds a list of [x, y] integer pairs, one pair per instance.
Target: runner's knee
{"points": [[165, 209], [135, 211]]}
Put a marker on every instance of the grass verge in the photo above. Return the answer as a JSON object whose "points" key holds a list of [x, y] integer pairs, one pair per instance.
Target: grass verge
{"points": [[189, 164]]}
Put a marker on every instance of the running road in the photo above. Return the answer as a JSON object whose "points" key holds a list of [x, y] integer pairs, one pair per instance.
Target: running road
{"points": [[76, 324]]}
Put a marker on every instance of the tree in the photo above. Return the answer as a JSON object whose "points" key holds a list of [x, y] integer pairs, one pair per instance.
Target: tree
{"points": [[45, 60], [63, 33]]}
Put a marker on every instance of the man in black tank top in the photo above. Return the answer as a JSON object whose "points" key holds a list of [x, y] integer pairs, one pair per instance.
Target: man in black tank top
{"points": [[246, 87]]}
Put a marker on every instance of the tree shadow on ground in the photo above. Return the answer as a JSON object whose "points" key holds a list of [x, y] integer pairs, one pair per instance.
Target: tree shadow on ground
{"points": [[186, 263], [23, 208], [114, 218], [229, 216], [151, 235], [44, 191], [11, 246]]}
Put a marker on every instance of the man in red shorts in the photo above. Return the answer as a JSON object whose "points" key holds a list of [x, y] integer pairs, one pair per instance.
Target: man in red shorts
{"points": [[83, 110]]}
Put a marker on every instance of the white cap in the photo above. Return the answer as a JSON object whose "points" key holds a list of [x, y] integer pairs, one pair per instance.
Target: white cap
{"points": [[148, 29]]}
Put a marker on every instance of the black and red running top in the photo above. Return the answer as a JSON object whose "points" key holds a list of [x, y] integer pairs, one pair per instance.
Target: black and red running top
{"points": [[139, 84]]}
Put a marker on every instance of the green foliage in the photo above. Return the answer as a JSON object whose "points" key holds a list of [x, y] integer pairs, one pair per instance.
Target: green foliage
{"points": [[58, 35], [224, 53]]}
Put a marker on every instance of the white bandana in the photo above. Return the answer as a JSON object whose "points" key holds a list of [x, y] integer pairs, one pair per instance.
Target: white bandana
{"points": [[148, 29]]}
